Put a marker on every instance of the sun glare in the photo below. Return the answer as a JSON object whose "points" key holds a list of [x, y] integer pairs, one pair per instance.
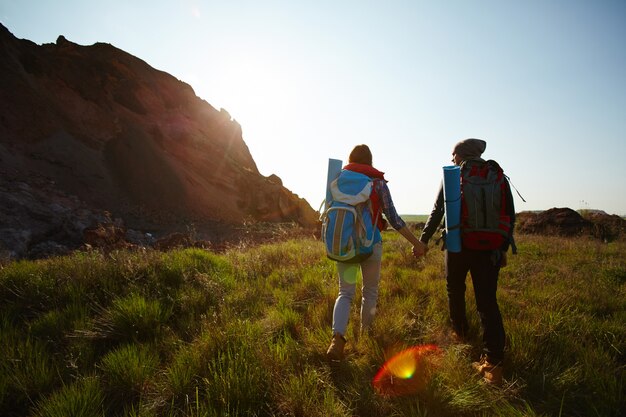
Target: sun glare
{"points": [[403, 365], [254, 90], [407, 372], [261, 92]]}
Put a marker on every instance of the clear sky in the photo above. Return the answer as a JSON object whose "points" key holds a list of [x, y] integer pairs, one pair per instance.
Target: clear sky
{"points": [[542, 81]]}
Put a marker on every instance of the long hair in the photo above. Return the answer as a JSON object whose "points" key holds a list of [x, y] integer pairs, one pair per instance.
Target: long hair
{"points": [[361, 154]]}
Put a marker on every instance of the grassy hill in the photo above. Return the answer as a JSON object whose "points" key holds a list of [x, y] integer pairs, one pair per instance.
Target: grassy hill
{"points": [[244, 332]]}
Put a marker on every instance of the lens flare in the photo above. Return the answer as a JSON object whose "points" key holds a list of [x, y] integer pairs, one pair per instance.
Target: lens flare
{"points": [[403, 365], [407, 372], [349, 273]]}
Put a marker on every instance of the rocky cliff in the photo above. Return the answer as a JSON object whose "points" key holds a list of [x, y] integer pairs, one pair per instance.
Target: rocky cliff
{"points": [[96, 129]]}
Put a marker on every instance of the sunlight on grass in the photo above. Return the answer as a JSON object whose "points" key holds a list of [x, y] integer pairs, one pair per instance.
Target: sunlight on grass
{"points": [[134, 318], [194, 333], [236, 382], [308, 393]]}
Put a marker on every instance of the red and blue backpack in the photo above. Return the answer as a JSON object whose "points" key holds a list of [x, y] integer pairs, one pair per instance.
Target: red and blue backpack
{"points": [[485, 220], [349, 224]]}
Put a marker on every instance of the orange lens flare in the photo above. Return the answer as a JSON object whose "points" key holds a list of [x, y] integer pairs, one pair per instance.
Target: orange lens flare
{"points": [[407, 372]]}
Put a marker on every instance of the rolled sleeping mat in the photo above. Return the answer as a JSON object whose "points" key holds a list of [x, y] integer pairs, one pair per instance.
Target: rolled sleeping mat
{"points": [[452, 204], [334, 169]]}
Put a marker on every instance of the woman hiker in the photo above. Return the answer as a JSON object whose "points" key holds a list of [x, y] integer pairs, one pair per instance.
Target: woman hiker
{"points": [[360, 160]]}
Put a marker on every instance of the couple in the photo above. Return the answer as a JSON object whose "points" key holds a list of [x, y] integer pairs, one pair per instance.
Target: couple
{"points": [[484, 267]]}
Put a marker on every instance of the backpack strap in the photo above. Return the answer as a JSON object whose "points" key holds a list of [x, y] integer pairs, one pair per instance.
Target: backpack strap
{"points": [[513, 245], [495, 165], [509, 180], [377, 218], [320, 209]]}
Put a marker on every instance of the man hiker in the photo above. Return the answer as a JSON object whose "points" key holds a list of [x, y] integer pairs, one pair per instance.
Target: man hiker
{"points": [[482, 264]]}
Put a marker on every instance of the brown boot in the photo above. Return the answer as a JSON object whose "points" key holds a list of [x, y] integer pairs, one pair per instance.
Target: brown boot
{"points": [[335, 350], [480, 365], [491, 373]]}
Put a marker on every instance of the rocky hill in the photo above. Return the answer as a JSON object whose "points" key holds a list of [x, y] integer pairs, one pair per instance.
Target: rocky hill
{"points": [[92, 134]]}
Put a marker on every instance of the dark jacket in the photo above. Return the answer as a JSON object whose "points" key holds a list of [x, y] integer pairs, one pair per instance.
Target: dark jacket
{"points": [[437, 214]]}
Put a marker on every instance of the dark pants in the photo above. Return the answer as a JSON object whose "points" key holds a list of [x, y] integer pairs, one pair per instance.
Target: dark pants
{"points": [[483, 267]]}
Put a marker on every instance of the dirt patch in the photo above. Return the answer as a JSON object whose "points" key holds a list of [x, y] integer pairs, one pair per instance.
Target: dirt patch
{"points": [[567, 222]]}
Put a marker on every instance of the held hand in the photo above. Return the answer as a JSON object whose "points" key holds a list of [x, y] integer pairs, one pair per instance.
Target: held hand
{"points": [[420, 249]]}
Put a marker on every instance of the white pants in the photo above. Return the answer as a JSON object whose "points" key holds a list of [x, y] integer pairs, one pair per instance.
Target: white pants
{"points": [[370, 270]]}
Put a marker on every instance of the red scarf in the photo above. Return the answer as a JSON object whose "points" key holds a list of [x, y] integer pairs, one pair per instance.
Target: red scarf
{"points": [[371, 172]]}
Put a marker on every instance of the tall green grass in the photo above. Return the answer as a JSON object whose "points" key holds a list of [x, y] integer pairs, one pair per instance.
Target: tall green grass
{"points": [[194, 333]]}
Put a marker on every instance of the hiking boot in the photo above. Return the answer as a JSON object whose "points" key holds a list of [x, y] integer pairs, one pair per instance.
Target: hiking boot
{"points": [[491, 373], [335, 350], [480, 365]]}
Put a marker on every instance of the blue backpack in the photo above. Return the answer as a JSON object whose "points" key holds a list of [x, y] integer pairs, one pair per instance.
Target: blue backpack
{"points": [[347, 228]]}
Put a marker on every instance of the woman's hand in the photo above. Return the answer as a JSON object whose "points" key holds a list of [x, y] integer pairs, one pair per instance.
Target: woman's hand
{"points": [[420, 249]]}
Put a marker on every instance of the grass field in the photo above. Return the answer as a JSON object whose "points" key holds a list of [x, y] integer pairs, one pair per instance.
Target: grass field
{"points": [[415, 218], [243, 333]]}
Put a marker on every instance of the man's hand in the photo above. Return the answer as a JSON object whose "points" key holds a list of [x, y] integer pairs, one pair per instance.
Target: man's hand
{"points": [[420, 249]]}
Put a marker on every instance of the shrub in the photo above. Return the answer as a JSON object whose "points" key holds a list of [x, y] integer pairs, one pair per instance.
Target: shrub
{"points": [[126, 372], [133, 318], [82, 398]]}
